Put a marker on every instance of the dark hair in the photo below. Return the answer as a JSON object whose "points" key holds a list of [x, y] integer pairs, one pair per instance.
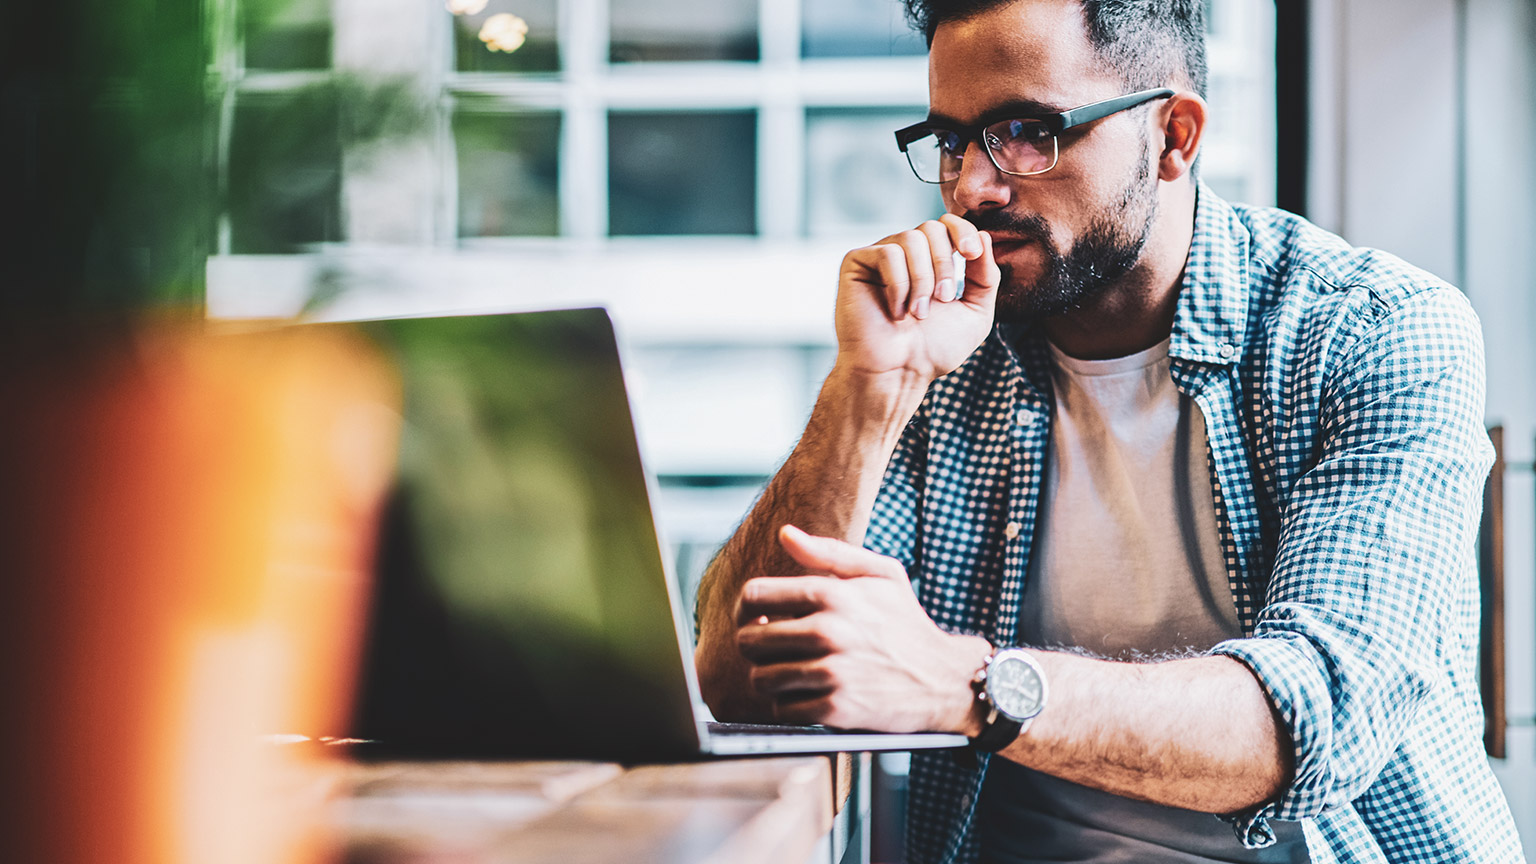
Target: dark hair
{"points": [[1148, 43]]}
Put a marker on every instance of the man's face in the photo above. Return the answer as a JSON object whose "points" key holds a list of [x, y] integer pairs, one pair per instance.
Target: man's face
{"points": [[1069, 234]]}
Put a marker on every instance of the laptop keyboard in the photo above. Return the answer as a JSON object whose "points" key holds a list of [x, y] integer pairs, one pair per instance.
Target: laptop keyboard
{"points": [[716, 728]]}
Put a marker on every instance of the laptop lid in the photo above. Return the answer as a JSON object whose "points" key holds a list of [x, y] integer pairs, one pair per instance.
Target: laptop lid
{"points": [[522, 605]]}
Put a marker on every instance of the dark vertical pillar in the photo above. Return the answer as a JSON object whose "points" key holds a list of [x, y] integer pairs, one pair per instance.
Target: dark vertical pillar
{"points": [[1292, 58]]}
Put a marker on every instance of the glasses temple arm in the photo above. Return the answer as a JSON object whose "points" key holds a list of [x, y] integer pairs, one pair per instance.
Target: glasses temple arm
{"points": [[1098, 110]]}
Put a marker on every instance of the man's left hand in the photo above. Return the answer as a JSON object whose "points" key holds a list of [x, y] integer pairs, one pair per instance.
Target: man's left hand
{"points": [[848, 645]]}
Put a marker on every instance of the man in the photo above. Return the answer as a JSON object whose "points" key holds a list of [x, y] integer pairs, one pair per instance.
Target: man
{"points": [[1220, 470]]}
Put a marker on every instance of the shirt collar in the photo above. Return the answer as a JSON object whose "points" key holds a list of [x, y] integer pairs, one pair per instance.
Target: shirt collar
{"points": [[1211, 320]]}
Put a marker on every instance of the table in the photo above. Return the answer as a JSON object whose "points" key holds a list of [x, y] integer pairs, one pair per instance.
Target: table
{"points": [[787, 809]]}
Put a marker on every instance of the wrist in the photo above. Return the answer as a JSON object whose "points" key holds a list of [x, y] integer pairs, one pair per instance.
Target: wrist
{"points": [[873, 407], [966, 713], [898, 387], [1014, 690]]}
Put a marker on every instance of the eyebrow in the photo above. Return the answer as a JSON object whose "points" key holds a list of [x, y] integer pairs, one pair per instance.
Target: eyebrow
{"points": [[1005, 111]]}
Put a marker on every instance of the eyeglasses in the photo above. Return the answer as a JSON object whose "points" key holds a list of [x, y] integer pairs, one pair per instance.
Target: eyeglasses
{"points": [[1018, 146]]}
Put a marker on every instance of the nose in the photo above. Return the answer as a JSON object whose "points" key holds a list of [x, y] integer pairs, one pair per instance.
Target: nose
{"points": [[980, 185]]}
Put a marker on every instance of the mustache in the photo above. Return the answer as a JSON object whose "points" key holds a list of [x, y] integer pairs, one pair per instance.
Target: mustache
{"points": [[1029, 226]]}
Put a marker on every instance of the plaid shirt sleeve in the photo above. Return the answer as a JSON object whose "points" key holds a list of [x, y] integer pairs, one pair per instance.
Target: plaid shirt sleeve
{"points": [[1371, 570]]}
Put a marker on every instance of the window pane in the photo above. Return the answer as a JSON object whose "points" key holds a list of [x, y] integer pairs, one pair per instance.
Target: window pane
{"points": [[1238, 156], [857, 28], [488, 40], [284, 172], [509, 173], [857, 182], [287, 34], [652, 30], [682, 173]]}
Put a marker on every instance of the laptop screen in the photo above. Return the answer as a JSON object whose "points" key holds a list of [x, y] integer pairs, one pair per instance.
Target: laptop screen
{"points": [[521, 605]]}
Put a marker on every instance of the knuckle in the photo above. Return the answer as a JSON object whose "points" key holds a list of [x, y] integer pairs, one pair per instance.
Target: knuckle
{"points": [[832, 592], [818, 711], [914, 240], [813, 590], [834, 672], [760, 677], [827, 638], [747, 646], [833, 634]]}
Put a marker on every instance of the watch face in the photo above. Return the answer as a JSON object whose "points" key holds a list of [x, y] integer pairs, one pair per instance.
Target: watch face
{"points": [[1015, 687]]}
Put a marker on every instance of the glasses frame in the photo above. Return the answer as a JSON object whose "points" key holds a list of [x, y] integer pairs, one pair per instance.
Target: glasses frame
{"points": [[1055, 123]]}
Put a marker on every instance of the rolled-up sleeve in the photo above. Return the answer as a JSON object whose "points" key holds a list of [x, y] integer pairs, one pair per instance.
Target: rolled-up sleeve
{"points": [[1371, 602]]}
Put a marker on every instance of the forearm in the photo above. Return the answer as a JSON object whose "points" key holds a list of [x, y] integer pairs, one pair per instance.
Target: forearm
{"points": [[1197, 733], [827, 486]]}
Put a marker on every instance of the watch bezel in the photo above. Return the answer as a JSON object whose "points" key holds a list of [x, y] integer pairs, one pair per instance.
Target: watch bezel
{"points": [[1015, 655]]}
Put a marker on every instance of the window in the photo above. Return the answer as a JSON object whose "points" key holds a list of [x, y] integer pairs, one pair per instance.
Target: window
{"points": [[508, 172], [586, 119]]}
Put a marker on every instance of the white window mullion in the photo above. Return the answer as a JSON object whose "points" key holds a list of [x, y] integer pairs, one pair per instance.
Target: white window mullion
{"points": [[780, 122], [584, 128]]}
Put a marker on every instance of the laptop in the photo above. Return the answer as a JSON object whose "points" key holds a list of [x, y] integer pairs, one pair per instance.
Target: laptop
{"points": [[523, 603]]}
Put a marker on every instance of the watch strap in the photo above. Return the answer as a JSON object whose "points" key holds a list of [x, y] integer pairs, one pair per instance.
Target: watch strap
{"points": [[998, 731]]}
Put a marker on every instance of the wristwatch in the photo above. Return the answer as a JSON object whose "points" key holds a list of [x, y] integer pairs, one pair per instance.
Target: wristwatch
{"points": [[1012, 687]]}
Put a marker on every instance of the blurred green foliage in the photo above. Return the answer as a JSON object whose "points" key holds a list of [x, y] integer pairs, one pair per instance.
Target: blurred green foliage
{"points": [[123, 143], [106, 158]]}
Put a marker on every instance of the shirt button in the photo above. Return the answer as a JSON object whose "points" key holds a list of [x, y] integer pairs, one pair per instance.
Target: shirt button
{"points": [[1011, 530], [1228, 351], [1024, 417]]}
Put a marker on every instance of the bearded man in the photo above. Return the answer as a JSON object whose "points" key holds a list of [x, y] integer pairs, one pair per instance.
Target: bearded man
{"points": [[1169, 504]]}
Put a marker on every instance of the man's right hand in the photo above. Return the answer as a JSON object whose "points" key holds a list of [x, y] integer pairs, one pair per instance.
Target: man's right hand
{"points": [[900, 307]]}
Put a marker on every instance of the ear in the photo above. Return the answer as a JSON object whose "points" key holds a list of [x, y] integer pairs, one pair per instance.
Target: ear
{"points": [[1183, 126]]}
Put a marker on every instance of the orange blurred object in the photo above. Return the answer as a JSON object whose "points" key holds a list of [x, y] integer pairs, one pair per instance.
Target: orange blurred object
{"points": [[186, 523]]}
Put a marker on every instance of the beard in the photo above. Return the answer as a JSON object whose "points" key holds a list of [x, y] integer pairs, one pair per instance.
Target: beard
{"points": [[1108, 250]]}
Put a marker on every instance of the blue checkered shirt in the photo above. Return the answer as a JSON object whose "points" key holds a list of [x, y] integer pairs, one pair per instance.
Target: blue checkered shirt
{"points": [[1343, 396]]}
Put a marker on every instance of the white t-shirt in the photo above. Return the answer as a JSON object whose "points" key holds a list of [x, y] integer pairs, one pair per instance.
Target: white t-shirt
{"points": [[1126, 560], [1126, 563]]}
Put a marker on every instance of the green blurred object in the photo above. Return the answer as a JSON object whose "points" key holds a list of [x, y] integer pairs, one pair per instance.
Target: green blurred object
{"points": [[134, 132], [107, 175]]}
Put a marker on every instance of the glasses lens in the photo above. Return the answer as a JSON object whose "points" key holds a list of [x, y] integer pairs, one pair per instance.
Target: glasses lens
{"points": [[934, 158], [1021, 146]]}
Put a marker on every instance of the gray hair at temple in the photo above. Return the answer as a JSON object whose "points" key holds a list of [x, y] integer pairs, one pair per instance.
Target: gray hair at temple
{"points": [[1148, 43]]}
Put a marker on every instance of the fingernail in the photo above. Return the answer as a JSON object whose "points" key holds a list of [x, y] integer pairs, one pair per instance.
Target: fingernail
{"points": [[970, 246], [946, 290], [922, 307]]}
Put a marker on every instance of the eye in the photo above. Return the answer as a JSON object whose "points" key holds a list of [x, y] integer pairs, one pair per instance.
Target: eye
{"points": [[1022, 131], [949, 142]]}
